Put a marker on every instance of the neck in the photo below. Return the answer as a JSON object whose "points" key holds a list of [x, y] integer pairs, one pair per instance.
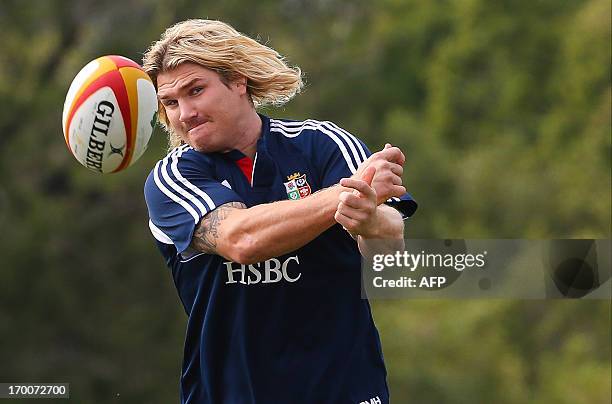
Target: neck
{"points": [[249, 133]]}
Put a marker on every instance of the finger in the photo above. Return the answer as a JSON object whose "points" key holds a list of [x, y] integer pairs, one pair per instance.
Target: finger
{"points": [[398, 190], [398, 155], [394, 191], [359, 185], [387, 145], [402, 158], [387, 177], [396, 169], [368, 175], [353, 201], [358, 215], [345, 221], [389, 154], [392, 154], [385, 166]]}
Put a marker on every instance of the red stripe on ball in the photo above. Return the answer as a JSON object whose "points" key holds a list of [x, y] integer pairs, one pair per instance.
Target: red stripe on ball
{"points": [[121, 61], [114, 80]]}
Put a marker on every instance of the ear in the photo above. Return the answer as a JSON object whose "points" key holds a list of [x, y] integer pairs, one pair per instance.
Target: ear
{"points": [[240, 83]]}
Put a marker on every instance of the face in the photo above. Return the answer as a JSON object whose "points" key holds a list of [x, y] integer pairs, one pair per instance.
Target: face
{"points": [[204, 111]]}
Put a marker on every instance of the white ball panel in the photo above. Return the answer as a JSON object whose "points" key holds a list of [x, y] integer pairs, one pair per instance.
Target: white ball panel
{"points": [[147, 107], [76, 84], [97, 133]]}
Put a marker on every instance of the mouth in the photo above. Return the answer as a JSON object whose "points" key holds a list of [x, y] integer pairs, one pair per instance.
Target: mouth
{"points": [[195, 127]]}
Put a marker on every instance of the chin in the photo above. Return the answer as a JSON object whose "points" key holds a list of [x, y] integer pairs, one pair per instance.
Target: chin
{"points": [[199, 143], [203, 146]]}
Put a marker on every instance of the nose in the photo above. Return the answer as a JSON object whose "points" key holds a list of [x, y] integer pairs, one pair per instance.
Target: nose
{"points": [[186, 112]]}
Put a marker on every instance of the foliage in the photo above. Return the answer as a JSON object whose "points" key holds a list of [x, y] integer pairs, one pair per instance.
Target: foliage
{"points": [[502, 108]]}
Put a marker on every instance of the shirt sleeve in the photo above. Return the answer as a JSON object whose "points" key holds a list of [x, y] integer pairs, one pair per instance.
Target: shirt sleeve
{"points": [[340, 154], [179, 192]]}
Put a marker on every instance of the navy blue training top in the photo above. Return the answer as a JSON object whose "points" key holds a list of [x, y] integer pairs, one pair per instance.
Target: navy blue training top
{"points": [[293, 329]]}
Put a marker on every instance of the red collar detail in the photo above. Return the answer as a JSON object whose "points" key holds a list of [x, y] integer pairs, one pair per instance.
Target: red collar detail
{"points": [[246, 166]]}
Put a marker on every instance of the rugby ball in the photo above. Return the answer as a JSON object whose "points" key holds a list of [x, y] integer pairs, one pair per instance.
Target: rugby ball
{"points": [[109, 114]]}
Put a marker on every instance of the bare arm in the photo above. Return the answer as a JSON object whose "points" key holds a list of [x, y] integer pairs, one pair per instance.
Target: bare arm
{"points": [[269, 230], [265, 231], [206, 233]]}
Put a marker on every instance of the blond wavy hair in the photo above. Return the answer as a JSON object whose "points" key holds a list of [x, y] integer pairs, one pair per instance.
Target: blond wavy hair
{"points": [[219, 47]]}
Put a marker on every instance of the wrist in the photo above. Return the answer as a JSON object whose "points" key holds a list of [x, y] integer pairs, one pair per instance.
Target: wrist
{"points": [[375, 228], [392, 225], [328, 199]]}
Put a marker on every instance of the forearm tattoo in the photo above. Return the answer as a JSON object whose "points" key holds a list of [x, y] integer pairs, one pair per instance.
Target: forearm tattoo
{"points": [[207, 234]]}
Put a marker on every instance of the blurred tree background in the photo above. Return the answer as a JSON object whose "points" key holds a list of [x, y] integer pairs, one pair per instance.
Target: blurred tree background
{"points": [[502, 108]]}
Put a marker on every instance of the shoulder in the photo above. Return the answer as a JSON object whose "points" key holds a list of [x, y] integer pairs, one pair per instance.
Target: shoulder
{"points": [[294, 129], [323, 139], [179, 162], [182, 158], [186, 155], [315, 132]]}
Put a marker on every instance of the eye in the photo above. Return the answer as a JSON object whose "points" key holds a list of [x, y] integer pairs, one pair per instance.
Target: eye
{"points": [[169, 103], [196, 90]]}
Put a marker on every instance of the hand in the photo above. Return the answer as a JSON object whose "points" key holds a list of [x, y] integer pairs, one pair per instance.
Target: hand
{"points": [[388, 164], [357, 208]]}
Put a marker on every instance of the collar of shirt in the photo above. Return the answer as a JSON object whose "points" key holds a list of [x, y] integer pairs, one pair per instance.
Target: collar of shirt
{"points": [[261, 170]]}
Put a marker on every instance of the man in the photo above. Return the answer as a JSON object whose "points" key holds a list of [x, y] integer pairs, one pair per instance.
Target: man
{"points": [[248, 214]]}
